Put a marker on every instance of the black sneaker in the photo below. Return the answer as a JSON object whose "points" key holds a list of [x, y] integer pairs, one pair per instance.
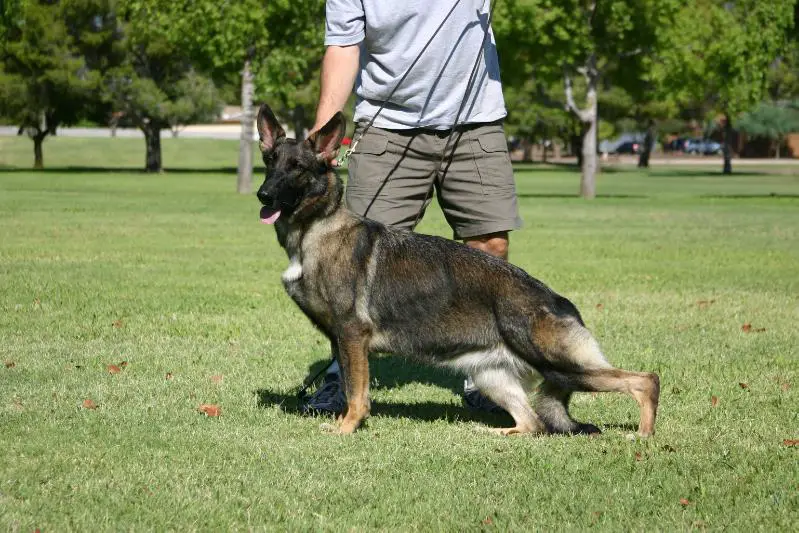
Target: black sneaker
{"points": [[328, 398], [474, 399]]}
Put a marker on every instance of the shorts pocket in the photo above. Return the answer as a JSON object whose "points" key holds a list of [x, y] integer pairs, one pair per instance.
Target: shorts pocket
{"points": [[494, 142], [492, 161], [368, 163], [372, 144]]}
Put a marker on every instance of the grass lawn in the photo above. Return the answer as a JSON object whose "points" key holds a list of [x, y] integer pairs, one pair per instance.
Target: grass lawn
{"points": [[172, 280]]}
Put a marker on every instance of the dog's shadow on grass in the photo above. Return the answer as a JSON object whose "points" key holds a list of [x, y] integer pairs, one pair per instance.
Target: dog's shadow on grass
{"points": [[390, 372]]}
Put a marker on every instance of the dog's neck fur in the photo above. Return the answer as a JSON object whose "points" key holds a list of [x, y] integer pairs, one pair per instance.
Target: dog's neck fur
{"points": [[312, 211]]}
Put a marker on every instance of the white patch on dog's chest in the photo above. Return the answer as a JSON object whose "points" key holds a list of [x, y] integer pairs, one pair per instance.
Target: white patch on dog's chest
{"points": [[293, 272]]}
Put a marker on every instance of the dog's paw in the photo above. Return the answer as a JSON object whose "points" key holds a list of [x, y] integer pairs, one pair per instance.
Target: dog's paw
{"points": [[327, 427], [338, 429], [588, 429]]}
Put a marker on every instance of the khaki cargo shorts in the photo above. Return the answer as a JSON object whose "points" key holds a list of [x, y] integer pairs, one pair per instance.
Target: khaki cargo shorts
{"points": [[391, 172]]}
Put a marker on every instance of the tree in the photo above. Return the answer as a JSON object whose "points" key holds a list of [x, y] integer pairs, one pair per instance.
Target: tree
{"points": [[273, 49], [228, 40], [11, 16], [722, 52], [772, 122], [157, 86], [536, 116], [44, 80], [600, 42]]}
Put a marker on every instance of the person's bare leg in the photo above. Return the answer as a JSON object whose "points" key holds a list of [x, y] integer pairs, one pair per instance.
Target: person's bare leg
{"points": [[495, 244]]}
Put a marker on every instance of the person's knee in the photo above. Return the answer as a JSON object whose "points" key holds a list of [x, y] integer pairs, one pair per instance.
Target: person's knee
{"points": [[495, 244]]}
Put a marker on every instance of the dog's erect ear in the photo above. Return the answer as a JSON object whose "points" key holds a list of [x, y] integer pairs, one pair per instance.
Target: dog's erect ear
{"points": [[327, 140], [269, 130]]}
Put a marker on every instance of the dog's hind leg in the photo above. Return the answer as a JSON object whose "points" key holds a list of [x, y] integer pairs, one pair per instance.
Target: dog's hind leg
{"points": [[576, 363], [504, 387], [643, 386], [353, 351], [552, 406], [569, 358]]}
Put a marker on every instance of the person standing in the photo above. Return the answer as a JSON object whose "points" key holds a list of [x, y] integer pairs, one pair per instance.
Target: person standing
{"points": [[411, 148]]}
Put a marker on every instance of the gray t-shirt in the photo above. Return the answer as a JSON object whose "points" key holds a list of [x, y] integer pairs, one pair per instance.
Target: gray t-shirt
{"points": [[391, 35]]}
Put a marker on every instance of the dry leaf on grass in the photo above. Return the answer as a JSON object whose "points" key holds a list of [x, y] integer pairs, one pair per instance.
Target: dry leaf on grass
{"points": [[714, 401], [10, 364], [600, 306], [747, 328], [684, 502], [89, 404], [168, 375], [117, 323], [216, 378], [113, 369], [487, 521], [744, 386], [791, 442], [638, 456], [210, 409], [704, 304]]}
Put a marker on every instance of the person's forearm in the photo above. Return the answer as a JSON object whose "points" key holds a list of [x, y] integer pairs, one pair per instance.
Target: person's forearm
{"points": [[339, 69]]}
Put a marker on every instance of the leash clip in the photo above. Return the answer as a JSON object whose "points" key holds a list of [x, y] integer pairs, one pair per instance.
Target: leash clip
{"points": [[341, 160]]}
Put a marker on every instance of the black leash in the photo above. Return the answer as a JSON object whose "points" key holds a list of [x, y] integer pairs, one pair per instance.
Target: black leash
{"points": [[351, 149], [303, 392], [469, 87]]}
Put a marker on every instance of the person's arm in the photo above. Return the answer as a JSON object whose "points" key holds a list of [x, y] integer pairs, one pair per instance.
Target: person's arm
{"points": [[339, 69]]}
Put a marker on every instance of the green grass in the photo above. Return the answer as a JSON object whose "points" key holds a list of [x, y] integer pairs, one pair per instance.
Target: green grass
{"points": [[174, 275]]}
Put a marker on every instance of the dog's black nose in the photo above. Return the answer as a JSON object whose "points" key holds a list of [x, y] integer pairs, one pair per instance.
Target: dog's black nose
{"points": [[265, 198]]}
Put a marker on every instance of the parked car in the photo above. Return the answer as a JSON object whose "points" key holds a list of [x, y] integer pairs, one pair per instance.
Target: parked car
{"points": [[676, 145], [628, 147], [702, 146]]}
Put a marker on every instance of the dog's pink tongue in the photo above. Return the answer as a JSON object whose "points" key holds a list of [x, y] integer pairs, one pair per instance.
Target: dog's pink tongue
{"points": [[269, 216]]}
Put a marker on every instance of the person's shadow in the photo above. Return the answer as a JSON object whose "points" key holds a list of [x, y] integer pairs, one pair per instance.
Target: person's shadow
{"points": [[390, 371]]}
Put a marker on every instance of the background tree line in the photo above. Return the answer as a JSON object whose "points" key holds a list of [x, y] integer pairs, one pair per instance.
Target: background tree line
{"points": [[574, 71]]}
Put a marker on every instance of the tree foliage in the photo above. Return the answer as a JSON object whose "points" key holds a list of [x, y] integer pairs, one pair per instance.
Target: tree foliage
{"points": [[607, 43], [772, 122], [721, 56], [156, 85], [45, 79]]}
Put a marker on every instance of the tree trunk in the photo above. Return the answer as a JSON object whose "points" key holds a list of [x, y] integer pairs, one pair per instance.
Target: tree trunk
{"points": [[779, 145], [38, 157], [588, 176], [649, 138], [527, 149], [244, 179], [726, 147], [589, 118], [576, 147], [152, 137], [298, 117]]}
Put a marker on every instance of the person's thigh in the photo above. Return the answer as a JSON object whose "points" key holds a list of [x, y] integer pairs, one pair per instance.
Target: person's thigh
{"points": [[390, 174], [478, 191]]}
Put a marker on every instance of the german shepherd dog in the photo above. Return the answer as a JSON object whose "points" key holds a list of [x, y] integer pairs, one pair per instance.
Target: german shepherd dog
{"points": [[372, 288]]}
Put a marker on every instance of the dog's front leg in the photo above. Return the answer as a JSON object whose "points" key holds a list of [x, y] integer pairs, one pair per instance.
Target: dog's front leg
{"points": [[353, 351]]}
